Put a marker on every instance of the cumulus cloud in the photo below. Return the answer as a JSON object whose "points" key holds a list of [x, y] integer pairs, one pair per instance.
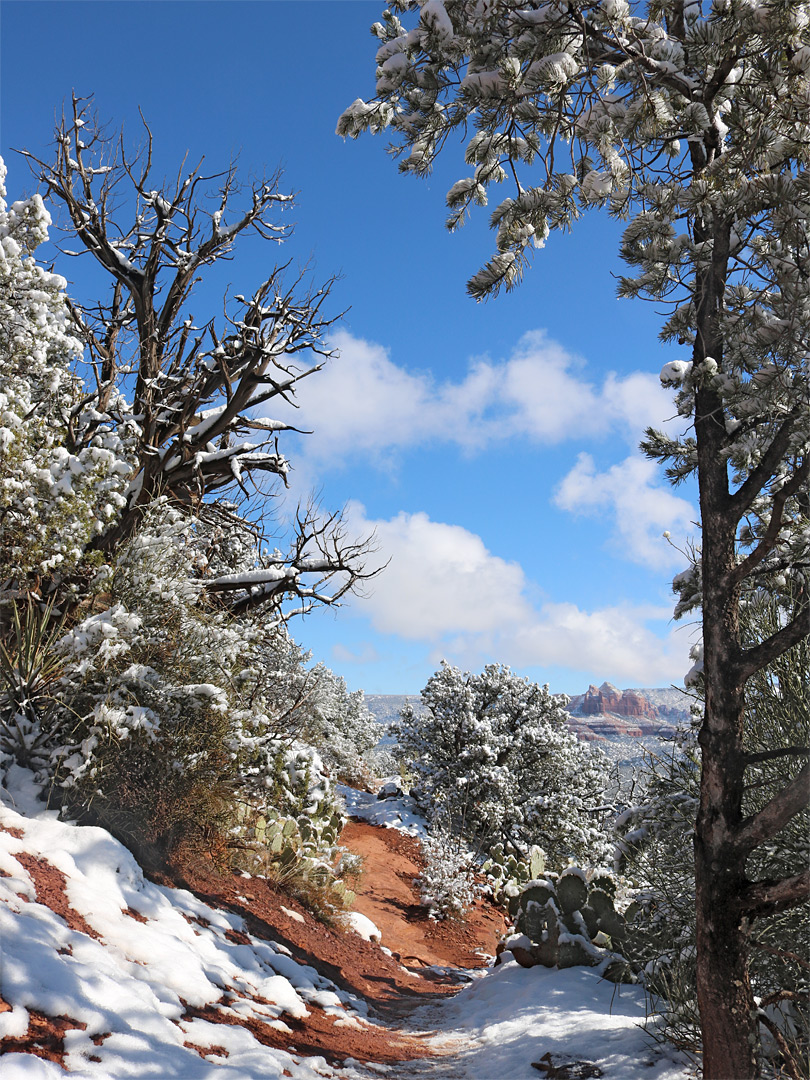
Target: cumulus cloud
{"points": [[444, 587], [364, 402], [641, 509], [440, 579], [615, 639]]}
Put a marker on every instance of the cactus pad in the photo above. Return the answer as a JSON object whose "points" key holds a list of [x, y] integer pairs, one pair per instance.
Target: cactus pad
{"points": [[572, 892]]}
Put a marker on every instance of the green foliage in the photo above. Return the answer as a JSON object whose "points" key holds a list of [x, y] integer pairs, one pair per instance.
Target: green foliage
{"points": [[30, 671], [507, 873], [656, 851], [300, 854]]}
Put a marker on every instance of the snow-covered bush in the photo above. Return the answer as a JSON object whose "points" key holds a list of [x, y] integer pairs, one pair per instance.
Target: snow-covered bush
{"points": [[447, 882], [163, 717], [63, 465], [314, 704], [340, 723], [494, 753]]}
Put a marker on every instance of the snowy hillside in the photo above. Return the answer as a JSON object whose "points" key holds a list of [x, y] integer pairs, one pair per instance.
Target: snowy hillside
{"points": [[129, 969]]}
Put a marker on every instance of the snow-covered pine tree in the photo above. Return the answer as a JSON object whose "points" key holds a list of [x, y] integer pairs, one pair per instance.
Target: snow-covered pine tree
{"points": [[341, 724], [493, 756], [691, 121]]}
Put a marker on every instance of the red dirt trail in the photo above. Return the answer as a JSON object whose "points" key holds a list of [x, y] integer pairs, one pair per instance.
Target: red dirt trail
{"points": [[392, 985]]}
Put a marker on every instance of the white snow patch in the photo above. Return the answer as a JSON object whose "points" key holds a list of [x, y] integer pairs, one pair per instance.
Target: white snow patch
{"points": [[398, 813], [296, 915], [133, 983], [499, 1024], [362, 925]]}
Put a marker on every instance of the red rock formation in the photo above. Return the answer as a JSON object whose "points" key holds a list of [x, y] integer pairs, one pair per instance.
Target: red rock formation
{"points": [[609, 699]]}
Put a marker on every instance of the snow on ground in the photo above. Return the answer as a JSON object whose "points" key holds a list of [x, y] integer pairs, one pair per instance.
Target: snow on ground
{"points": [[398, 812], [362, 925], [512, 1016], [161, 950], [158, 950]]}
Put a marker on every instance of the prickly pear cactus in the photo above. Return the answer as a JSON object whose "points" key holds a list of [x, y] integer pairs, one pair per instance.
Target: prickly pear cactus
{"points": [[300, 853], [507, 874], [572, 892], [568, 920]]}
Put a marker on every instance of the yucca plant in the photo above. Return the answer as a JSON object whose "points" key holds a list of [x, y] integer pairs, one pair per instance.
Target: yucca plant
{"points": [[31, 712]]}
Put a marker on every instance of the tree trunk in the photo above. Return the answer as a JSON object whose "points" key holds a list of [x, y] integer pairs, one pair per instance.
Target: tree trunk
{"points": [[725, 999], [727, 1010]]}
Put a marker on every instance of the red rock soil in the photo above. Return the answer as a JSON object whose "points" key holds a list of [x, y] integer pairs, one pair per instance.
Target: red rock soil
{"points": [[392, 985]]}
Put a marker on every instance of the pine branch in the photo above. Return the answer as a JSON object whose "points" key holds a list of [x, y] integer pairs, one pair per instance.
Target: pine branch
{"points": [[769, 897], [756, 480], [771, 755], [758, 657], [768, 542], [773, 817]]}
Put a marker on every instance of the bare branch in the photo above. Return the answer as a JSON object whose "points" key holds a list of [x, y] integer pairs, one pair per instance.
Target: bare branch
{"points": [[768, 897]]}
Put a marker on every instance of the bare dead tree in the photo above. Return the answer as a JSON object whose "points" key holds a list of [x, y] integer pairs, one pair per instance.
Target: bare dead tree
{"points": [[194, 390]]}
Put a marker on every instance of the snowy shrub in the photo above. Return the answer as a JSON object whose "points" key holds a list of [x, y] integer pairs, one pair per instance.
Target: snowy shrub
{"points": [[382, 761], [446, 884], [63, 464], [494, 753], [341, 725], [159, 725]]}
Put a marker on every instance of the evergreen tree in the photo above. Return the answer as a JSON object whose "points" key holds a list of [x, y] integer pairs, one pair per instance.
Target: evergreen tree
{"points": [[691, 122], [62, 472], [493, 755]]}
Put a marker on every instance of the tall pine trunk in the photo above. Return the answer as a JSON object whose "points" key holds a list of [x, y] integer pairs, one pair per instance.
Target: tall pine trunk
{"points": [[725, 998]]}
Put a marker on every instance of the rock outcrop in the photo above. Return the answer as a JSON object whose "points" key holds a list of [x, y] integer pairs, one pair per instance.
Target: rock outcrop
{"points": [[605, 711], [609, 699]]}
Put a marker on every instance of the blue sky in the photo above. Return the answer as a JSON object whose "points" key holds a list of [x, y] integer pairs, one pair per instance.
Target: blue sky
{"points": [[491, 446]]}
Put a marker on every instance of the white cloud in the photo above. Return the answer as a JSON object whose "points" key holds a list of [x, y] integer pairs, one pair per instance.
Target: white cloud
{"points": [[363, 402], [641, 509], [613, 639], [440, 579], [442, 586], [552, 401]]}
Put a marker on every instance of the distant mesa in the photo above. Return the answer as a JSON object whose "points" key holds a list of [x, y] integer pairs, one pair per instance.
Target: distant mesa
{"points": [[609, 699], [601, 713]]}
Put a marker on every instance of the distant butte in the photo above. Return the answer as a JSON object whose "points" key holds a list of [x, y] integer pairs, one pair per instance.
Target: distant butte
{"points": [[606, 711], [609, 699]]}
